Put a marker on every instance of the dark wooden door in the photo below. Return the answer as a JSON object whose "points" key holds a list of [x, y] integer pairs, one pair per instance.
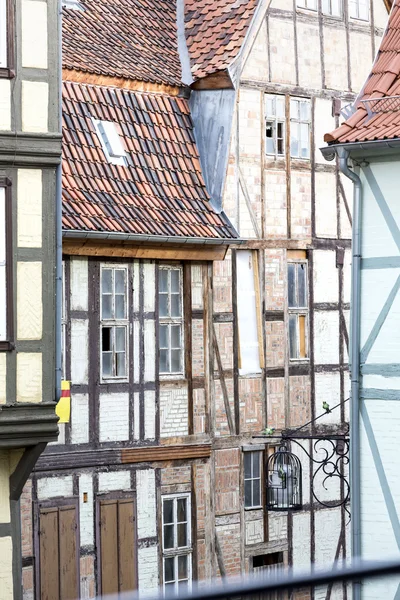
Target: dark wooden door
{"points": [[117, 545], [58, 552]]}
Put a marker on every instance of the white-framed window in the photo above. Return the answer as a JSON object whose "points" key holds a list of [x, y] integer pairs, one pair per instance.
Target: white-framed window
{"points": [[310, 4], [275, 125], [332, 8], [359, 9], [298, 310], [177, 542], [300, 120], [3, 35], [111, 141], [171, 320], [252, 479], [114, 326]]}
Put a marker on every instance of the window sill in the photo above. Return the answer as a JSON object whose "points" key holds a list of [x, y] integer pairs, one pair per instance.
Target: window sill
{"points": [[6, 346], [114, 380], [247, 508]]}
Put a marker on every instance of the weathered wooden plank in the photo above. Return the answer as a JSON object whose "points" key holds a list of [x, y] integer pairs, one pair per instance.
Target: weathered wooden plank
{"points": [[160, 453], [109, 547], [126, 545], [49, 555], [68, 544]]}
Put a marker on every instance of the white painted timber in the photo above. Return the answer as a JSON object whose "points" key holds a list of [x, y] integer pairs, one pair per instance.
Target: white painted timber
{"points": [[114, 417], [79, 418], [79, 283], [53, 487], [86, 509], [114, 480], [146, 503], [79, 350]]}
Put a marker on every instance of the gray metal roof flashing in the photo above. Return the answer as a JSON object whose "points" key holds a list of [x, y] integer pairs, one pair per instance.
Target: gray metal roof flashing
{"points": [[146, 239]]}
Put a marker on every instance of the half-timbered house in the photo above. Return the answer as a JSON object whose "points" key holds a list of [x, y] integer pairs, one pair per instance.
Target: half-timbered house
{"points": [[206, 289]]}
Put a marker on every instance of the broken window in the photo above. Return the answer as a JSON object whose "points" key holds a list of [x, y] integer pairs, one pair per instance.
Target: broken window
{"points": [[298, 310], [252, 479], [177, 542], [275, 125], [114, 322], [359, 9], [300, 118], [171, 320]]}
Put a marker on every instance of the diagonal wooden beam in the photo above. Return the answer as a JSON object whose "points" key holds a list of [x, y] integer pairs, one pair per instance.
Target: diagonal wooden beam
{"points": [[248, 204], [223, 384]]}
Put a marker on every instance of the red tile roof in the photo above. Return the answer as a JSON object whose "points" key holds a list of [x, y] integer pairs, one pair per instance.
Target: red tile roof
{"points": [[159, 192], [123, 38], [384, 81], [215, 32]]}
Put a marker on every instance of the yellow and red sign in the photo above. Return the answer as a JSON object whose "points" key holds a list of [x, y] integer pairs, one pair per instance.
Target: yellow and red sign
{"points": [[63, 408]]}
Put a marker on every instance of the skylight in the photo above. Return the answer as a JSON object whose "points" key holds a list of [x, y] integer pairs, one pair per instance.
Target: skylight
{"points": [[111, 142]]}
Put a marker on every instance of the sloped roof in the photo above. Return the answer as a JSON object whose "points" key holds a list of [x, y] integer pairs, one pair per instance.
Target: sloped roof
{"points": [[123, 38], [383, 120], [215, 32], [159, 192]]}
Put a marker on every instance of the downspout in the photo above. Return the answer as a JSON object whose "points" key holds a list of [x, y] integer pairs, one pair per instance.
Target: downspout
{"points": [[355, 489], [58, 232]]}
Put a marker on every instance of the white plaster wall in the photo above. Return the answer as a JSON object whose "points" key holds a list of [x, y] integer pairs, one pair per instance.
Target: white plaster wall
{"points": [[256, 66], [308, 59], [29, 301], [347, 276], [326, 329], [86, 510], [361, 58], [301, 541], [323, 123], [335, 53], [35, 101], [146, 503], [136, 416], [277, 526], [114, 481], [79, 418], [149, 286], [254, 532], [53, 487], [6, 571], [4, 487], [327, 388], [345, 225], [29, 377], [149, 350], [136, 358], [34, 39], [5, 105], [29, 208], [148, 570], [149, 415], [326, 208], [326, 281], [79, 350], [281, 35], [327, 530], [197, 287], [114, 417], [3, 378], [79, 283]]}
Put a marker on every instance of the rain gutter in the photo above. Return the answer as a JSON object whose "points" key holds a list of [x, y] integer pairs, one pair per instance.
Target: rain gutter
{"points": [[342, 152], [159, 239], [329, 152]]}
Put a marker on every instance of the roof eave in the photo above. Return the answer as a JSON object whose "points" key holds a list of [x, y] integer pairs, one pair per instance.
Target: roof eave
{"points": [[371, 147], [146, 239]]}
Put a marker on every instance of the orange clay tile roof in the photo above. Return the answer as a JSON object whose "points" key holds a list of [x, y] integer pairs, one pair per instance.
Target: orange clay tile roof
{"points": [[383, 81], [123, 38], [160, 191], [215, 32]]}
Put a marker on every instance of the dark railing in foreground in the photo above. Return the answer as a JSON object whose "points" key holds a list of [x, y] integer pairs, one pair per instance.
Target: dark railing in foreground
{"points": [[283, 581]]}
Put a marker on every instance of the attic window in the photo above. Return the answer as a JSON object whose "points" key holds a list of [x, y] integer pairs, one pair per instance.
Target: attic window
{"points": [[111, 142], [73, 4]]}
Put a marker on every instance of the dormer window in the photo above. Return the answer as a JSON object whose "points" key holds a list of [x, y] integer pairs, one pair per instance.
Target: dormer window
{"points": [[111, 142]]}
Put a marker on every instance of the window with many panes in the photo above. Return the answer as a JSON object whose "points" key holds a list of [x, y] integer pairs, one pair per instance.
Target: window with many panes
{"points": [[252, 479], [359, 9], [177, 542], [171, 320], [311, 4], [275, 125], [6, 318], [298, 310], [114, 322], [332, 7], [300, 117]]}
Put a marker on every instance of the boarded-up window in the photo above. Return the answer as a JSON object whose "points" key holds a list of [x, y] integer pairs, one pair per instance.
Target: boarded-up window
{"points": [[117, 545], [249, 313], [59, 553]]}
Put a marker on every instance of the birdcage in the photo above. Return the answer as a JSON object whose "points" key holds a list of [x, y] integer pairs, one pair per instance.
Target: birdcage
{"points": [[284, 481]]}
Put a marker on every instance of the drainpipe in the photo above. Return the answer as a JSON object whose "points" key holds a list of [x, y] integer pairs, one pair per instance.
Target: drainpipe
{"points": [[58, 228], [343, 155]]}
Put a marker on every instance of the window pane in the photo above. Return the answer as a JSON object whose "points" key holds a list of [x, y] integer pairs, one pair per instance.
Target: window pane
{"points": [[120, 307], [175, 336], [256, 492], [163, 305], [175, 361], [106, 339], [106, 281], [294, 109], [182, 567], [168, 536], [120, 339], [164, 336], [247, 465], [247, 493], [181, 509], [169, 569], [120, 364], [163, 280], [256, 464], [363, 12], [280, 106], [305, 140], [301, 284], [182, 535], [164, 361], [168, 511], [270, 146], [106, 307], [175, 305], [294, 139], [302, 337], [293, 336], [292, 300], [106, 366], [336, 8], [120, 281], [175, 278], [269, 106], [305, 111]]}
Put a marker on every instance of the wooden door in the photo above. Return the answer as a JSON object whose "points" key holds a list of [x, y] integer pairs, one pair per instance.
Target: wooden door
{"points": [[117, 545], [58, 552]]}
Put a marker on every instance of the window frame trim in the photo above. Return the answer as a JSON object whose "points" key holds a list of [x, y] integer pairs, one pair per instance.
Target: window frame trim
{"points": [[171, 375], [301, 311], [358, 18], [184, 550], [9, 343], [8, 71], [300, 122], [251, 451]]}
